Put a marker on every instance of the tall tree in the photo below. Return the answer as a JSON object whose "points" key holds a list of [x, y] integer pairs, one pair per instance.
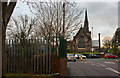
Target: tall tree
{"points": [[7, 10], [117, 35], [116, 42], [56, 17], [107, 44]]}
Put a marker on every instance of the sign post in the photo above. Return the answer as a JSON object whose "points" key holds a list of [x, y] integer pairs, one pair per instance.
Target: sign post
{"points": [[92, 49], [0, 39]]}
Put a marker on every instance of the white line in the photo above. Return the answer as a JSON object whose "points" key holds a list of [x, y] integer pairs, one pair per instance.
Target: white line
{"points": [[101, 64], [110, 62], [92, 64], [113, 70]]}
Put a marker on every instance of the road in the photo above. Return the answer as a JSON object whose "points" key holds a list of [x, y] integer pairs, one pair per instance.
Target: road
{"points": [[93, 67]]}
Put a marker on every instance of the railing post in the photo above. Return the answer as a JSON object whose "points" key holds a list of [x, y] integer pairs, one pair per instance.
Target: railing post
{"points": [[0, 39]]}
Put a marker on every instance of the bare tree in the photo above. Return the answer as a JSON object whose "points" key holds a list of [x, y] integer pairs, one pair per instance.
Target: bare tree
{"points": [[21, 28], [55, 18], [7, 10]]}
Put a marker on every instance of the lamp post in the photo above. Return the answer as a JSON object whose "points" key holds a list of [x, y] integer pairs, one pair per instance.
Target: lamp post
{"points": [[92, 40]]}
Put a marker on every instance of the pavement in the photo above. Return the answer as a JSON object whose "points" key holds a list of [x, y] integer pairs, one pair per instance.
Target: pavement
{"points": [[94, 67]]}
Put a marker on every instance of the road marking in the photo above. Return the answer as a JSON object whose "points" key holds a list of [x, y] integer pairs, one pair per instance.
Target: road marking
{"points": [[92, 64], [110, 62], [101, 64], [113, 70]]}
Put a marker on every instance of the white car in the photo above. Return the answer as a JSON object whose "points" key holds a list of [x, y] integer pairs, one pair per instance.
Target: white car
{"points": [[79, 55]]}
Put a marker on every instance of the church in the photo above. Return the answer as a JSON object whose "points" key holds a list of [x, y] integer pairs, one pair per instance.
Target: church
{"points": [[82, 41]]}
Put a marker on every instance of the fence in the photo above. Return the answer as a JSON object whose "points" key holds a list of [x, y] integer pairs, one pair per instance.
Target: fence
{"points": [[34, 55], [29, 56]]}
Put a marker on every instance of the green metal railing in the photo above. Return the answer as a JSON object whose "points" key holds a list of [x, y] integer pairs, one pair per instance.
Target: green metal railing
{"points": [[30, 55], [33, 55]]}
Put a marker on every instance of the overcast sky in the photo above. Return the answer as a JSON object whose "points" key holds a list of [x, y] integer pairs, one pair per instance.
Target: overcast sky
{"points": [[102, 16]]}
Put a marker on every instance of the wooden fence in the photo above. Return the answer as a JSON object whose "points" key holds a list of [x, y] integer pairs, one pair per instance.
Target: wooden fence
{"points": [[29, 55]]}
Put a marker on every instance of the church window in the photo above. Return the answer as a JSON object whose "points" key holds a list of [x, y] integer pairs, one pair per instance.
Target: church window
{"points": [[81, 45], [76, 40], [81, 36]]}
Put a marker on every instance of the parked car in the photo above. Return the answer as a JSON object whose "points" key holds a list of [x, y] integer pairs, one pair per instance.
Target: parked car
{"points": [[93, 56], [109, 55], [71, 57], [80, 55]]}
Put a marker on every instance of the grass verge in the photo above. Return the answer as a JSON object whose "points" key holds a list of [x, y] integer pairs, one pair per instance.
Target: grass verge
{"points": [[23, 75], [88, 53]]}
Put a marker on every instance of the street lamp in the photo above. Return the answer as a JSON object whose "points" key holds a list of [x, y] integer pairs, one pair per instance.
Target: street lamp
{"points": [[92, 39]]}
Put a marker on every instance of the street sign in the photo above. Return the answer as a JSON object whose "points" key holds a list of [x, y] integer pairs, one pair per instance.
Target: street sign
{"points": [[0, 39]]}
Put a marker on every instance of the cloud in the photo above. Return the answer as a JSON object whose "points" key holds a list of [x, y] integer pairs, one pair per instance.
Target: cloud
{"points": [[103, 16]]}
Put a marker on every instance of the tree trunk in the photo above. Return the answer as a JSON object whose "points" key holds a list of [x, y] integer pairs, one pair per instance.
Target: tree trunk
{"points": [[0, 39], [63, 33], [3, 50], [7, 11]]}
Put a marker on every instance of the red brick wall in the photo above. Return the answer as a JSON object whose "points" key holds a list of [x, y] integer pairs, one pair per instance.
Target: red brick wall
{"points": [[55, 65], [63, 67], [59, 66]]}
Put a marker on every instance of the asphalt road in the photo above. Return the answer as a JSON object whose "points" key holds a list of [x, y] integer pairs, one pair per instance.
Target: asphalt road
{"points": [[93, 67]]}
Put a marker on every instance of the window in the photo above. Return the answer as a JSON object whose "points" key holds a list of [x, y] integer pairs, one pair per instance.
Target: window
{"points": [[81, 45], [81, 36]]}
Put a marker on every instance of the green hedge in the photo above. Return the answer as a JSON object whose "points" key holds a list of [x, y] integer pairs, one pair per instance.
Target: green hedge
{"points": [[87, 53], [24, 75]]}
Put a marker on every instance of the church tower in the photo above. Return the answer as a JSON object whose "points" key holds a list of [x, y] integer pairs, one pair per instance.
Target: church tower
{"points": [[82, 39], [86, 23]]}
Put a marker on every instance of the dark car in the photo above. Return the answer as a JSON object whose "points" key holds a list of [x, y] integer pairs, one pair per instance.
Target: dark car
{"points": [[71, 57], [93, 56], [109, 55]]}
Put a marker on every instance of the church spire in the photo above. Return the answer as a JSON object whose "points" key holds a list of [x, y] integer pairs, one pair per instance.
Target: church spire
{"points": [[86, 18], [86, 21]]}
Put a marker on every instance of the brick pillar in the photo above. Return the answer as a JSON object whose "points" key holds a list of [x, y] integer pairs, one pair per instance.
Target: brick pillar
{"points": [[63, 67], [0, 39]]}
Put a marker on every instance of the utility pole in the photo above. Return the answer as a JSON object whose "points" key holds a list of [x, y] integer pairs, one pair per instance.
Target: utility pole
{"points": [[0, 39], [99, 41], [92, 39]]}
